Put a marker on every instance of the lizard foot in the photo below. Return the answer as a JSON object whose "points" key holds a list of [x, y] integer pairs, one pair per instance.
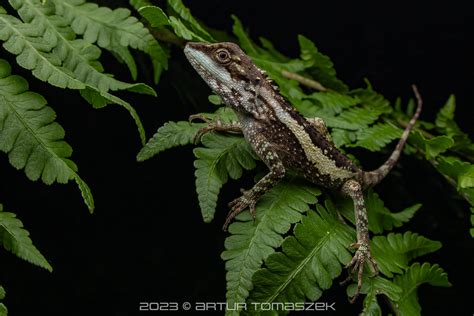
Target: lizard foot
{"points": [[240, 204], [213, 125], [357, 263]]}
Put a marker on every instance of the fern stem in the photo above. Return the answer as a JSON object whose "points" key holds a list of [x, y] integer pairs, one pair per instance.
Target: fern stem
{"points": [[310, 83]]}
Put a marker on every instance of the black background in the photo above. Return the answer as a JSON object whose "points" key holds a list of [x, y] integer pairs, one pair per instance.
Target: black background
{"points": [[146, 240]]}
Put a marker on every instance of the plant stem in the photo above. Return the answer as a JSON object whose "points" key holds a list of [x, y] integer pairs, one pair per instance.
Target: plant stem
{"points": [[310, 83]]}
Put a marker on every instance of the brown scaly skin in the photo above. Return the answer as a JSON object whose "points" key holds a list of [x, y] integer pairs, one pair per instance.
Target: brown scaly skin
{"points": [[285, 140]]}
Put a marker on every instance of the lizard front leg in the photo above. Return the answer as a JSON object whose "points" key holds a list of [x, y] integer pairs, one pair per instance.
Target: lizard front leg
{"points": [[217, 125], [249, 198], [353, 189]]}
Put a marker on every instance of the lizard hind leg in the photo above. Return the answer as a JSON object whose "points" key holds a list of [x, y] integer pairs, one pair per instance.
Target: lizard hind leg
{"points": [[353, 189]]}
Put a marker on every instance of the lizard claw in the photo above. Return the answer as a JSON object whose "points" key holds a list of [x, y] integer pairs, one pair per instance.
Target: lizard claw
{"points": [[200, 132], [238, 205], [357, 263]]}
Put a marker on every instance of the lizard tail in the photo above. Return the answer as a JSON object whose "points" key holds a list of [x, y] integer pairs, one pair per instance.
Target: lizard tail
{"points": [[371, 178]]}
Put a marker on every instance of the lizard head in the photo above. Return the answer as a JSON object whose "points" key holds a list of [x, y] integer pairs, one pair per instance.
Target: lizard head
{"points": [[224, 66]]}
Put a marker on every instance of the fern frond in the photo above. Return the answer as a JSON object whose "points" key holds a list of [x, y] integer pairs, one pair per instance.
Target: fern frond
{"points": [[355, 118], [171, 134], [222, 157], [373, 100], [31, 137], [394, 251], [154, 15], [47, 46], [69, 65], [137, 4], [3, 308], [377, 136], [332, 102], [410, 281], [380, 218], [431, 147], [186, 19], [15, 239], [251, 242], [111, 29], [342, 137], [321, 67], [309, 260]]}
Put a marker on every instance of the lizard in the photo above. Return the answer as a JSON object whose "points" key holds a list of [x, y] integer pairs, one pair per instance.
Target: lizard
{"points": [[287, 141]]}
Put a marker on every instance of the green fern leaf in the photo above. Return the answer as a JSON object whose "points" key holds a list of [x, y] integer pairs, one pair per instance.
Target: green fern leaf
{"points": [[186, 19], [222, 157], [355, 118], [171, 134], [15, 239], [137, 4], [394, 251], [154, 15], [270, 49], [183, 32], [445, 121], [321, 67], [332, 102], [3, 308], [342, 137], [410, 281], [251, 242], [372, 287], [432, 147], [25, 41], [309, 260], [48, 47], [380, 218], [112, 28], [372, 100], [43, 31], [31, 137], [377, 136]]}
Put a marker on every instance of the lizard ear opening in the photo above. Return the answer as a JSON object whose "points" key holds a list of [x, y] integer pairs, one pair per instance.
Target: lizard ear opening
{"points": [[222, 56]]}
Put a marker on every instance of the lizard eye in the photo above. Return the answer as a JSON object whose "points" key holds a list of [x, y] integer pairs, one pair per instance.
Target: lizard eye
{"points": [[222, 56]]}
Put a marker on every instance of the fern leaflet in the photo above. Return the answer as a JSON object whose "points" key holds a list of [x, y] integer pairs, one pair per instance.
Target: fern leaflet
{"points": [[16, 239], [394, 251], [48, 47], [186, 19], [377, 136], [410, 281], [321, 67], [112, 29], [222, 157], [171, 134], [3, 308], [251, 242], [30, 136], [372, 287], [309, 260]]}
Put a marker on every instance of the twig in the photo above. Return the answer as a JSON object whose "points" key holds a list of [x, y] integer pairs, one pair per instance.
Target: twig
{"points": [[310, 83]]}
